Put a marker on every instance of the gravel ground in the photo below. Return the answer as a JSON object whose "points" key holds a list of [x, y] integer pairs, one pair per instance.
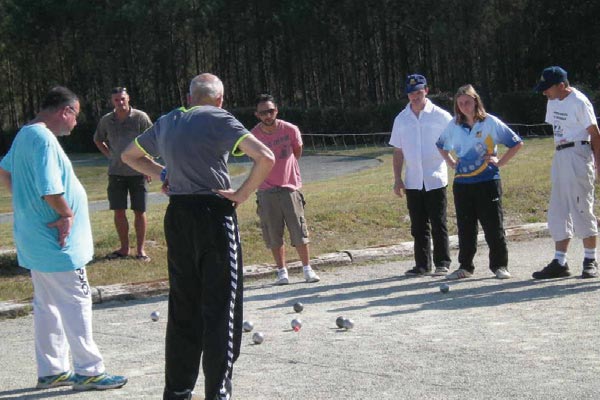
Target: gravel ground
{"points": [[485, 339]]}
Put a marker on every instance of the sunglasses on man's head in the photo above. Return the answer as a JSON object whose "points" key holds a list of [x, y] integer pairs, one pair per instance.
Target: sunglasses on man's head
{"points": [[118, 90], [264, 113]]}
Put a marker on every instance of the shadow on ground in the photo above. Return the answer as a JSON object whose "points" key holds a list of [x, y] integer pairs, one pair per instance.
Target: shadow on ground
{"points": [[411, 295]]}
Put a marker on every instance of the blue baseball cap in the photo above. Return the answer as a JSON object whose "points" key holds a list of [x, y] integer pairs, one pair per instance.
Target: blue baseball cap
{"points": [[415, 82], [550, 76]]}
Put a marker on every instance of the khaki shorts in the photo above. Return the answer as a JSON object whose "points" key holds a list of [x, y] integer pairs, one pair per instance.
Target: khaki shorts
{"points": [[280, 207]]}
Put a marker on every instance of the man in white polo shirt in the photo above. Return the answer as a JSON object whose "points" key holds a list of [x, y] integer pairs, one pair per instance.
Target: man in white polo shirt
{"points": [[415, 131], [575, 161]]}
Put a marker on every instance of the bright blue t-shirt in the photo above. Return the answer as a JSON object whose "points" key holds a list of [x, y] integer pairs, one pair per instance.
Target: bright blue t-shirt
{"points": [[39, 167], [472, 144]]}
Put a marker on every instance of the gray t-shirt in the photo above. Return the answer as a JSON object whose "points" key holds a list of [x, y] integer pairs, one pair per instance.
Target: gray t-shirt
{"points": [[195, 145], [118, 135]]}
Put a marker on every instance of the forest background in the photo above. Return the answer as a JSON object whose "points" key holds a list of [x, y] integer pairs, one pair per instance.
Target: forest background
{"points": [[335, 66]]}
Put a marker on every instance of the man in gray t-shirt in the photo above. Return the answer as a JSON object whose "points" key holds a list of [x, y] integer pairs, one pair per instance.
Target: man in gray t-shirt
{"points": [[204, 251], [115, 131], [196, 158]]}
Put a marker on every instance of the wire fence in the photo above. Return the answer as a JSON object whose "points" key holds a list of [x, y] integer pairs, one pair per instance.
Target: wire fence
{"points": [[347, 140]]}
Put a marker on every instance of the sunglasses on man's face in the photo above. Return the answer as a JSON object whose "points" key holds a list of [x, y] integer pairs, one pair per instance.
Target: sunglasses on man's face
{"points": [[264, 113]]}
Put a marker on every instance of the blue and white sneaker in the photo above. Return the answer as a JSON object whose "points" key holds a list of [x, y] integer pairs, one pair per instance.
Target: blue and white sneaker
{"points": [[99, 382], [51, 381]]}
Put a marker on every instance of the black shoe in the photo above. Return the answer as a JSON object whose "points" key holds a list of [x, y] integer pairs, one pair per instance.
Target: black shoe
{"points": [[225, 391], [590, 268], [418, 271], [552, 270], [183, 395]]}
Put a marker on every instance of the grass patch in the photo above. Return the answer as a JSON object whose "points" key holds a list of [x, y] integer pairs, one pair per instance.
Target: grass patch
{"points": [[94, 178], [14, 280], [349, 212]]}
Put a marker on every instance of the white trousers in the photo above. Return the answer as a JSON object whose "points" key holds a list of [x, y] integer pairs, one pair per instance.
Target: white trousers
{"points": [[571, 209], [62, 317]]}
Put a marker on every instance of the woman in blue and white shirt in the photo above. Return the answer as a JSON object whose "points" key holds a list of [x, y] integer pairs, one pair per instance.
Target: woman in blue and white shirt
{"points": [[473, 136]]}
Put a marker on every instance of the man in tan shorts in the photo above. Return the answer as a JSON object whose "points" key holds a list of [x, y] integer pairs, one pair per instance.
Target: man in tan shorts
{"points": [[280, 202]]}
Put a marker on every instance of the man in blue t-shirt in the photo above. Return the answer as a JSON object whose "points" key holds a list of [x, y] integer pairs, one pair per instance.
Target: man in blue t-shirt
{"points": [[53, 236], [203, 245]]}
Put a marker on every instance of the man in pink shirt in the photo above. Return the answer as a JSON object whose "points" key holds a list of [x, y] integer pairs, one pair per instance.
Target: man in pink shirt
{"points": [[279, 200]]}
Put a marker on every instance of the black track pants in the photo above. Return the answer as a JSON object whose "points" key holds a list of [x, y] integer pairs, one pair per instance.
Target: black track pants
{"points": [[205, 296]]}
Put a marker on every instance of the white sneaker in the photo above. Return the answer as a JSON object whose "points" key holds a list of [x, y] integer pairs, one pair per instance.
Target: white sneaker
{"points": [[502, 273], [440, 271], [459, 274], [282, 277], [311, 276]]}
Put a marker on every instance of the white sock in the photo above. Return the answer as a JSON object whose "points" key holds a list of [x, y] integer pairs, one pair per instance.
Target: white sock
{"points": [[561, 257], [307, 267], [590, 253]]}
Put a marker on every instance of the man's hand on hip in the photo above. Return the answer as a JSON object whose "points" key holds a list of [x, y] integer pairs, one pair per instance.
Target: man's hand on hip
{"points": [[63, 224]]}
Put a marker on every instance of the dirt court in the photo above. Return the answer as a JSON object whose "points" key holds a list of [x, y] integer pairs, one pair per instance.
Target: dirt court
{"points": [[485, 339]]}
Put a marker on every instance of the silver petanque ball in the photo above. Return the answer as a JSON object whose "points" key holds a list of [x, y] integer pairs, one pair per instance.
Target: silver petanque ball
{"points": [[258, 337], [296, 324], [247, 326], [348, 323], [154, 315]]}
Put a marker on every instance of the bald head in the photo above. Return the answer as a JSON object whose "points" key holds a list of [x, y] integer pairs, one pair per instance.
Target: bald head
{"points": [[206, 89]]}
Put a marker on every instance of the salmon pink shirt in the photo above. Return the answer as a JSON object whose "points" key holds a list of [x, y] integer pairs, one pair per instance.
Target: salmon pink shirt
{"points": [[282, 142]]}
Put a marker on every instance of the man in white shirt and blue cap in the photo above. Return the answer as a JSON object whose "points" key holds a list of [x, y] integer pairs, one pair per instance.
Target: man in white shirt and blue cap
{"points": [[414, 134]]}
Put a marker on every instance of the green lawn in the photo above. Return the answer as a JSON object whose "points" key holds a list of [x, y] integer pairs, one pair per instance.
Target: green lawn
{"points": [[352, 211], [93, 176]]}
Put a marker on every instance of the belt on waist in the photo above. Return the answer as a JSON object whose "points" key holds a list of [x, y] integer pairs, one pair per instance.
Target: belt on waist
{"points": [[197, 199], [570, 144], [205, 202], [276, 189]]}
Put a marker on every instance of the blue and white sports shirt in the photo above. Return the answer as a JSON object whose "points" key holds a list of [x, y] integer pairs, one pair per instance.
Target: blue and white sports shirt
{"points": [[472, 144]]}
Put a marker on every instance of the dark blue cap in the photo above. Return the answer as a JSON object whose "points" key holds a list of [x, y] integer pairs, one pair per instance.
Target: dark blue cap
{"points": [[415, 82], [550, 76]]}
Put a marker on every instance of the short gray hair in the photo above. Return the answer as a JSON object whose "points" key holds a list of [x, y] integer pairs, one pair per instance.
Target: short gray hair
{"points": [[57, 98], [206, 86]]}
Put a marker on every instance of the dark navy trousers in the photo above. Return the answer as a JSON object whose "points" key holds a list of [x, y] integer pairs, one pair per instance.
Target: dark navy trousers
{"points": [[427, 211], [480, 202]]}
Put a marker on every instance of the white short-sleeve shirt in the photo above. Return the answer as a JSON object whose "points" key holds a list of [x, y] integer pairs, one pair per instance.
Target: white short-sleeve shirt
{"points": [[416, 136], [570, 117]]}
